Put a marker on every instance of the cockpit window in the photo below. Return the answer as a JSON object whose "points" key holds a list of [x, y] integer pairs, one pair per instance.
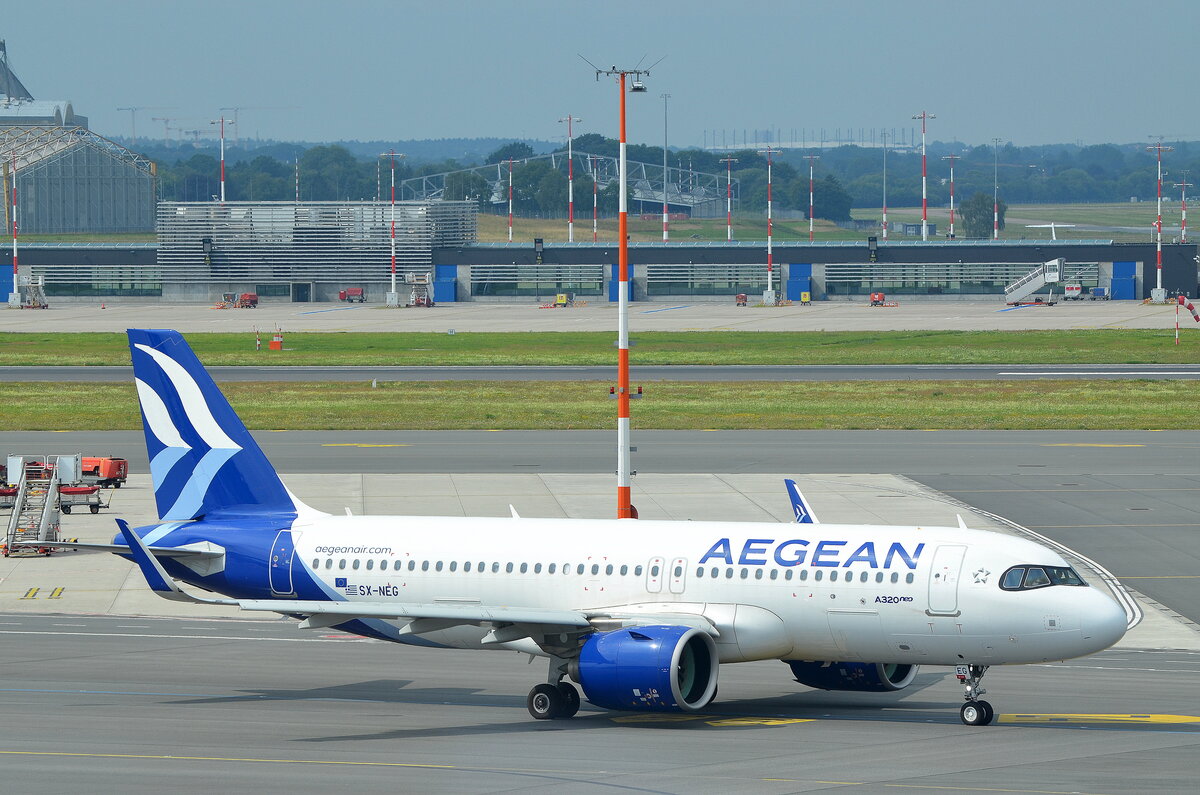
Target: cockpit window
{"points": [[1024, 578], [1036, 577]]}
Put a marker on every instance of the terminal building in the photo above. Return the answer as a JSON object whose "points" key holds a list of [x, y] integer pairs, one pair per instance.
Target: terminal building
{"points": [[310, 252]]}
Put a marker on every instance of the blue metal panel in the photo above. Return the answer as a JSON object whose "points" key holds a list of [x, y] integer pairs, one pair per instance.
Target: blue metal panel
{"points": [[614, 283], [1124, 270], [1124, 289], [795, 286], [441, 272], [800, 270], [445, 291]]}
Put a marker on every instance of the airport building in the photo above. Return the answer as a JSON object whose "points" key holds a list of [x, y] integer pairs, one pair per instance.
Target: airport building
{"points": [[312, 251]]}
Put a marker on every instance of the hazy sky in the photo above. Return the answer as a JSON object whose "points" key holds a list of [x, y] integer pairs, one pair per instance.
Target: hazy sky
{"points": [[1043, 71]]}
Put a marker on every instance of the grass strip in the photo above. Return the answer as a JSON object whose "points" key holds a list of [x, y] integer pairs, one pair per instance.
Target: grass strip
{"points": [[573, 405], [1077, 346]]}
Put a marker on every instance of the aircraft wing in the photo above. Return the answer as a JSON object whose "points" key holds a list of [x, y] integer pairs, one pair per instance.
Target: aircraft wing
{"points": [[457, 613]]}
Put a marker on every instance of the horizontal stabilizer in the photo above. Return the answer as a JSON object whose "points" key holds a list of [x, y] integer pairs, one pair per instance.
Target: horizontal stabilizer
{"points": [[156, 577], [123, 549]]}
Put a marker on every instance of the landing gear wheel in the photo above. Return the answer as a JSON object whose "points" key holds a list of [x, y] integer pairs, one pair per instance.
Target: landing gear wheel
{"points": [[545, 701], [977, 713], [570, 696]]}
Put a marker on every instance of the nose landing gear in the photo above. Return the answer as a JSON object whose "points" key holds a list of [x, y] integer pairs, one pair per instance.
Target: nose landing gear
{"points": [[974, 712]]}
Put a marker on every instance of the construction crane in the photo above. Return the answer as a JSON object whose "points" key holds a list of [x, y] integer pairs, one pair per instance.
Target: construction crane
{"points": [[237, 127], [133, 118]]}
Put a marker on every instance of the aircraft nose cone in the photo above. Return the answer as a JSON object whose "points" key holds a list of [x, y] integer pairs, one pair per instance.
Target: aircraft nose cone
{"points": [[1104, 622]]}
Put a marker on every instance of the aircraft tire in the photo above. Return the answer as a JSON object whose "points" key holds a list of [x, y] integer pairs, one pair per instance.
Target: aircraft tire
{"points": [[544, 702], [976, 713], [570, 696]]}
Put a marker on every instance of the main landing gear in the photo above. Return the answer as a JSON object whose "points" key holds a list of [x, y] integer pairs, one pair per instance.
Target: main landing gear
{"points": [[554, 698], [548, 702], [974, 712]]}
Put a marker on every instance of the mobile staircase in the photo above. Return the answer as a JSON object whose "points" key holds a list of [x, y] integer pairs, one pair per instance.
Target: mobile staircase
{"points": [[1046, 273], [420, 283], [34, 523]]}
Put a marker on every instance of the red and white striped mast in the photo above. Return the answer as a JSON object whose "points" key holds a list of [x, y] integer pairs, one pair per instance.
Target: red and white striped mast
{"points": [[666, 217], [769, 295], [951, 158], [1183, 186], [570, 177], [811, 159], [625, 509], [729, 161], [12, 174], [883, 137], [510, 200], [923, 115], [393, 296], [221, 121], [996, 189], [595, 202], [1159, 149]]}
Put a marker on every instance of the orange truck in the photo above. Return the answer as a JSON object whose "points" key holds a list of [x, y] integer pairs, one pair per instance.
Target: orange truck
{"points": [[105, 471]]}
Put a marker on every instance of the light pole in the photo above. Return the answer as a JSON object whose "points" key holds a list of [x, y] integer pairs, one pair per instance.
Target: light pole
{"points": [[883, 138], [951, 158], [14, 298], [923, 115], [222, 121], [729, 161], [811, 160], [996, 189], [570, 177], [1159, 149], [393, 294], [625, 509], [769, 295], [1183, 186], [666, 221], [510, 200]]}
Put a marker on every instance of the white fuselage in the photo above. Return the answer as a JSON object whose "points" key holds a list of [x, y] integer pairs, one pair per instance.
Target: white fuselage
{"points": [[888, 594]]}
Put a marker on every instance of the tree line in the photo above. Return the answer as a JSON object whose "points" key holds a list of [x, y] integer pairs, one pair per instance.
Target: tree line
{"points": [[845, 178]]}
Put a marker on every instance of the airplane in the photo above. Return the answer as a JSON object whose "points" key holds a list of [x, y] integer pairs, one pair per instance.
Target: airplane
{"points": [[639, 613]]}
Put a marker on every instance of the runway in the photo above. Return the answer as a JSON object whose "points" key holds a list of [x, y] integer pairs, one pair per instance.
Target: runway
{"points": [[137, 705], [643, 373]]}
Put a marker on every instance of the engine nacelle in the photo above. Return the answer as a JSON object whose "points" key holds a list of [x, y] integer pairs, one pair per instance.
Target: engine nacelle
{"points": [[867, 677], [650, 669]]}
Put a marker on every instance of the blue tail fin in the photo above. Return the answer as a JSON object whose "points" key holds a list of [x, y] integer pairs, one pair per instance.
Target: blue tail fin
{"points": [[804, 514], [202, 459]]}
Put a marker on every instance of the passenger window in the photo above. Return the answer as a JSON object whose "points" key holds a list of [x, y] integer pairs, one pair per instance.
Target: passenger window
{"points": [[454, 565], [551, 568], [537, 568], [745, 573], [624, 570], [864, 576], [817, 576], [787, 574], [774, 574], [699, 571], [1036, 578], [329, 563], [833, 576], [908, 578], [609, 569], [481, 567], [342, 563], [438, 567], [382, 565], [879, 576], [579, 569], [508, 568], [1012, 579], [758, 574], [467, 566], [370, 565], [495, 568], [654, 570], [595, 568], [424, 565], [637, 571], [729, 574], [354, 563], [524, 567], [895, 578]]}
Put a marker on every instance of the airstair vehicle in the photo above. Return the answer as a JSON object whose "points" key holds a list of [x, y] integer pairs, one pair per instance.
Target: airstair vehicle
{"points": [[420, 283], [1046, 273], [33, 526]]}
